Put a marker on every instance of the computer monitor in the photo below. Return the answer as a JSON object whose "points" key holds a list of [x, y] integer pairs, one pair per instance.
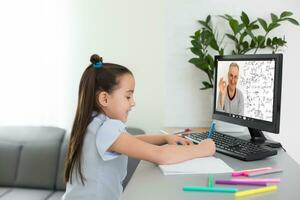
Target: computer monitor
{"points": [[247, 92]]}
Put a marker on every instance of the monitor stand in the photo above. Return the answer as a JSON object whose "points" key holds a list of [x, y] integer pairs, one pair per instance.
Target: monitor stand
{"points": [[257, 137]]}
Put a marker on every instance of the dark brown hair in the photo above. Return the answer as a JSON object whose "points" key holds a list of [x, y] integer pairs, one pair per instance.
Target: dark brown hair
{"points": [[94, 79]]}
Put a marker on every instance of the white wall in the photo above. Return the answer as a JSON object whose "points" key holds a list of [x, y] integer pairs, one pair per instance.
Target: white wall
{"points": [[46, 45], [130, 34], [34, 54], [192, 107]]}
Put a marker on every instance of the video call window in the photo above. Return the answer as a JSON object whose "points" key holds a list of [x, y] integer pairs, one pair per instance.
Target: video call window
{"points": [[246, 88]]}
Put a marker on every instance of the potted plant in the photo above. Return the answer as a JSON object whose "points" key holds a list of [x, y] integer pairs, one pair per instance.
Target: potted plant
{"points": [[246, 36]]}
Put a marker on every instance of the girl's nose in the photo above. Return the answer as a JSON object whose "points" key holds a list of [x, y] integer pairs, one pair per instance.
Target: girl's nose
{"points": [[133, 103]]}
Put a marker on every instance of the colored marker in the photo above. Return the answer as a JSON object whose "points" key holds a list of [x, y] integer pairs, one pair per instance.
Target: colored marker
{"points": [[211, 130], [242, 173], [210, 181], [255, 191], [264, 180], [209, 189], [229, 182], [250, 174]]}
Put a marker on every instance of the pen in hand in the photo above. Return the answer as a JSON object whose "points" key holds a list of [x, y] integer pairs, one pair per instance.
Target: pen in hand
{"points": [[211, 130]]}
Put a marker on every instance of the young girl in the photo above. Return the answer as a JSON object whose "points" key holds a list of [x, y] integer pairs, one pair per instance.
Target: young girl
{"points": [[99, 145]]}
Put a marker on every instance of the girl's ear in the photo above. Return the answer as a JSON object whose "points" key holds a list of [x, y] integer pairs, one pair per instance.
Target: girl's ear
{"points": [[102, 98]]}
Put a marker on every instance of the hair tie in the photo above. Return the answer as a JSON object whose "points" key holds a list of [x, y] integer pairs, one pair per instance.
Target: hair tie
{"points": [[98, 64]]}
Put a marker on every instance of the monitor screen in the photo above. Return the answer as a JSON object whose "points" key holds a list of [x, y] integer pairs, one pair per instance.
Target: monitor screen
{"points": [[247, 90]]}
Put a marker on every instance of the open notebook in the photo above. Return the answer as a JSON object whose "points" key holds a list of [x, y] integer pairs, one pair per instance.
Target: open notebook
{"points": [[206, 165]]}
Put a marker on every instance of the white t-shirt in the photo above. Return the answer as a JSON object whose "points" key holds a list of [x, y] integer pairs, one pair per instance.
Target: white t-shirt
{"points": [[104, 171], [234, 105]]}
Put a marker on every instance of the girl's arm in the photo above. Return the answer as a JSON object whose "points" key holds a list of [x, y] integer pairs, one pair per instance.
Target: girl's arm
{"points": [[153, 139], [166, 154], [163, 139]]}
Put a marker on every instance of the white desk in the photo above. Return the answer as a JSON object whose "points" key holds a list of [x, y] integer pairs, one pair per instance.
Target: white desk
{"points": [[148, 182]]}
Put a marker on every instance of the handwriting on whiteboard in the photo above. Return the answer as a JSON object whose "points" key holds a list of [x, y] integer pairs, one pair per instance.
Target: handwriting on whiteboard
{"points": [[257, 83]]}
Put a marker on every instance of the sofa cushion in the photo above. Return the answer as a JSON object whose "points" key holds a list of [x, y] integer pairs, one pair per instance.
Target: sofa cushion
{"points": [[60, 184], [9, 156], [39, 155], [26, 194], [37, 166], [3, 191]]}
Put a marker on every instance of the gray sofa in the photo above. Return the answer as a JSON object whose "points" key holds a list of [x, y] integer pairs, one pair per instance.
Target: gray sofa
{"points": [[32, 162]]}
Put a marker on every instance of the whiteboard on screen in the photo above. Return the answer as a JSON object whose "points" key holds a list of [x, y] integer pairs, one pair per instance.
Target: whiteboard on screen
{"points": [[256, 81]]}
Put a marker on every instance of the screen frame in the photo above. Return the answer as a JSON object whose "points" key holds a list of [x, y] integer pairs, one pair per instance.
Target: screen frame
{"points": [[273, 126]]}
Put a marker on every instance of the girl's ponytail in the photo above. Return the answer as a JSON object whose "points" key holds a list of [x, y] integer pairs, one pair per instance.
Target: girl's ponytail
{"points": [[85, 107]]}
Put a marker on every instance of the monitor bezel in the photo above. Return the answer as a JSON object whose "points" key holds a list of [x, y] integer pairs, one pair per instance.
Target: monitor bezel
{"points": [[273, 126]]}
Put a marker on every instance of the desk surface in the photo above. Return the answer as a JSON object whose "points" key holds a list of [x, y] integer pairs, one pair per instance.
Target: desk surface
{"points": [[148, 182]]}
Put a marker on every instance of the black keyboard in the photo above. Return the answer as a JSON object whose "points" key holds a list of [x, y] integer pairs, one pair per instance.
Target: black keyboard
{"points": [[235, 147]]}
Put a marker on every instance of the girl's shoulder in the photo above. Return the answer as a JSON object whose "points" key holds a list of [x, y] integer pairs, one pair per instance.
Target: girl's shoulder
{"points": [[101, 121]]}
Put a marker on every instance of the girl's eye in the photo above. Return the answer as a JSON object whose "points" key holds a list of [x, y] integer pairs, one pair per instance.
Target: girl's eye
{"points": [[128, 98]]}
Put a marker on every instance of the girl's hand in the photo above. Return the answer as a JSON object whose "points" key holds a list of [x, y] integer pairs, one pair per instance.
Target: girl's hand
{"points": [[174, 139], [209, 146]]}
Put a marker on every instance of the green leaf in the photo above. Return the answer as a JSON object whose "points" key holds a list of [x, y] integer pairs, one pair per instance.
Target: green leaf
{"points": [[199, 63], [243, 35], [209, 60], [203, 23], [263, 23], [269, 41], [234, 24], [240, 27], [206, 37], [195, 51], [245, 18], [232, 37], [274, 41], [285, 14], [203, 67], [197, 44], [252, 44], [213, 44], [195, 61], [281, 42], [245, 45], [251, 34], [253, 27], [197, 34], [252, 23], [227, 17], [274, 17], [221, 52], [260, 41], [272, 26], [208, 19], [293, 21], [207, 85], [210, 73]]}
